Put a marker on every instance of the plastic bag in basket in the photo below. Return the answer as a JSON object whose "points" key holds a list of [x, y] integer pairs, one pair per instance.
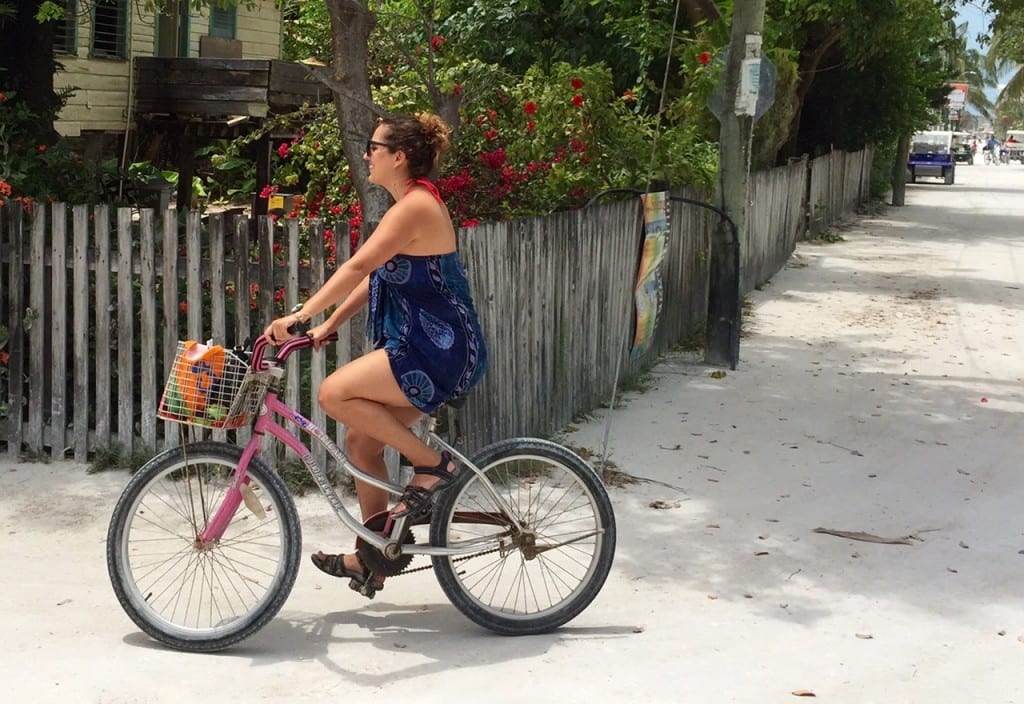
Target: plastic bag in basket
{"points": [[197, 376]]}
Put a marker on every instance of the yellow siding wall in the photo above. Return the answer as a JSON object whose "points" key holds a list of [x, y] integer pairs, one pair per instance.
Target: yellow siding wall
{"points": [[101, 101]]}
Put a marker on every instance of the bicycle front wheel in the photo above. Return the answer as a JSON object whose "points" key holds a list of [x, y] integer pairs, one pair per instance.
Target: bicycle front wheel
{"points": [[537, 578], [190, 594]]}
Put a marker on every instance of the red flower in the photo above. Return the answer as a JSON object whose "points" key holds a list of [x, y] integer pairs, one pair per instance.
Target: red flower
{"points": [[41, 148], [704, 58], [5, 188], [268, 191], [470, 222], [2, 97], [457, 90], [628, 96], [531, 125], [282, 151], [530, 107], [436, 42], [183, 308], [4, 357], [577, 100], [577, 83], [494, 160], [491, 134]]}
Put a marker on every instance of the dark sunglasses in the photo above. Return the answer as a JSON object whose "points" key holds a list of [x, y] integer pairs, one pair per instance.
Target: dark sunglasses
{"points": [[370, 144]]}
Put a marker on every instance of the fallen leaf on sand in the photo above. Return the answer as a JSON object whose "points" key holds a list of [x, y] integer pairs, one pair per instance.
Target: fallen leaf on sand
{"points": [[663, 504], [963, 545], [864, 636], [804, 693], [677, 446], [866, 537], [638, 629], [718, 374]]}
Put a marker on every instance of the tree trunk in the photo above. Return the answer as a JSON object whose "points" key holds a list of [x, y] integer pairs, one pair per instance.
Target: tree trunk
{"points": [[809, 62], [899, 171], [351, 24]]}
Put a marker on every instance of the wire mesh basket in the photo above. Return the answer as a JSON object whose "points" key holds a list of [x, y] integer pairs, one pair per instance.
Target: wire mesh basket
{"points": [[211, 387]]}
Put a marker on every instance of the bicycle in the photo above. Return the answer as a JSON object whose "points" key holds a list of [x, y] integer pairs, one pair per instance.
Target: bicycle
{"points": [[204, 543]]}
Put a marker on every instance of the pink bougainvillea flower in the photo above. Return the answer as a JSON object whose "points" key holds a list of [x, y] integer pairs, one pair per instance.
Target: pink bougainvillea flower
{"points": [[577, 83], [704, 58], [577, 100], [530, 107], [436, 42]]}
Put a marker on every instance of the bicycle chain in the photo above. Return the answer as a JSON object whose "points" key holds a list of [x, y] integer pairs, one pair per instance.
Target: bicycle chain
{"points": [[410, 570]]}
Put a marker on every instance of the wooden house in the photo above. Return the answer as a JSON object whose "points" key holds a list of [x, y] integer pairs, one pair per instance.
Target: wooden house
{"points": [[185, 74]]}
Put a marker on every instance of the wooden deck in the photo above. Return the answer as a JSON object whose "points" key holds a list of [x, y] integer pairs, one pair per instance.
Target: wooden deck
{"points": [[217, 88]]}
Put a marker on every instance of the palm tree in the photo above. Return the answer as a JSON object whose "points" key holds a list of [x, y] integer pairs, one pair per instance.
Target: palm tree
{"points": [[1006, 49]]}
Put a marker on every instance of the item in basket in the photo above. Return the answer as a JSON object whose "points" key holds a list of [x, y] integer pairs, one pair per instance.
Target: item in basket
{"points": [[197, 375]]}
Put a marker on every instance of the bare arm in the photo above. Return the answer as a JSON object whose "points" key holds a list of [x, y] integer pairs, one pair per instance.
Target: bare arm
{"points": [[356, 300]]}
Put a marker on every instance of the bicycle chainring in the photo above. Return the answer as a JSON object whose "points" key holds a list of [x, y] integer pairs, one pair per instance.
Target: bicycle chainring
{"points": [[373, 558]]}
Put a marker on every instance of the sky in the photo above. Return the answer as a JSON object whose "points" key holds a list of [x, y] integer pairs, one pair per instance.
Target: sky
{"points": [[977, 22]]}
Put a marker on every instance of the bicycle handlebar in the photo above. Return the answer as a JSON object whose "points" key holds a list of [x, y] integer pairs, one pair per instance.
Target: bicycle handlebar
{"points": [[295, 344]]}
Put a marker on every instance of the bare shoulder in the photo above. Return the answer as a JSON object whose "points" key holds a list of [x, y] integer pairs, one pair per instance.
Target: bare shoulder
{"points": [[425, 220]]}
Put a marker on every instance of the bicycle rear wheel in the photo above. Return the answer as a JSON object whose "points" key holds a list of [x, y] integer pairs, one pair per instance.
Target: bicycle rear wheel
{"points": [[539, 578], [193, 596]]}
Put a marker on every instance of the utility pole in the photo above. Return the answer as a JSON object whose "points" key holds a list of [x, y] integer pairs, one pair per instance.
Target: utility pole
{"points": [[722, 343]]}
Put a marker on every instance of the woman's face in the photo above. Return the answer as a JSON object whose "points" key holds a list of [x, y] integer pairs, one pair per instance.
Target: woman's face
{"points": [[379, 157]]}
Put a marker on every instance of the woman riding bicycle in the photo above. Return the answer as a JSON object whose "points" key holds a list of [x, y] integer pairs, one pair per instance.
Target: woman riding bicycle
{"points": [[428, 344]]}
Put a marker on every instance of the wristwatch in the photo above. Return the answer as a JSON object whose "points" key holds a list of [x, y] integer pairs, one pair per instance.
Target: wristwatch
{"points": [[300, 317]]}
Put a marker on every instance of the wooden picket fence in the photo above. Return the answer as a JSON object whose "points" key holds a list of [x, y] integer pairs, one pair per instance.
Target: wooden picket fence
{"points": [[94, 301]]}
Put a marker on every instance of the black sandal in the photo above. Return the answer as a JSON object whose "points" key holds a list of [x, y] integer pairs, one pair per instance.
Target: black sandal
{"points": [[361, 581], [419, 500]]}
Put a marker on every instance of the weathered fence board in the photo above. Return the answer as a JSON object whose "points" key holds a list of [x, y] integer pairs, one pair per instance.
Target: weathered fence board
{"points": [[94, 312]]}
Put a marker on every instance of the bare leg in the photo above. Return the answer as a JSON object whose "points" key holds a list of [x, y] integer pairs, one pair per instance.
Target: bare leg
{"points": [[368, 454], [365, 396]]}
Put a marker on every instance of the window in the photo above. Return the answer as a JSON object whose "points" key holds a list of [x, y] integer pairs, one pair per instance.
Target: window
{"points": [[64, 29], [109, 28], [222, 22]]}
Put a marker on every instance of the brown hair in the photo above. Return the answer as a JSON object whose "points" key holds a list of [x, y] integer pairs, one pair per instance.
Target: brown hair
{"points": [[424, 139]]}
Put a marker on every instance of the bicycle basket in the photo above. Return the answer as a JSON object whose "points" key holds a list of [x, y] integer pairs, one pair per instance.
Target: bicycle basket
{"points": [[211, 387]]}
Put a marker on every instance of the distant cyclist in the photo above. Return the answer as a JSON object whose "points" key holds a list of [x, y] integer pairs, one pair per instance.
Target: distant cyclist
{"points": [[991, 150]]}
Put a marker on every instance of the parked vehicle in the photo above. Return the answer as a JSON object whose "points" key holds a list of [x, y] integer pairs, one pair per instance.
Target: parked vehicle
{"points": [[931, 155], [1014, 145]]}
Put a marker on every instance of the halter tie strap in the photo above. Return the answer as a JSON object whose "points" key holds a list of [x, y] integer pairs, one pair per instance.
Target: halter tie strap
{"points": [[431, 188]]}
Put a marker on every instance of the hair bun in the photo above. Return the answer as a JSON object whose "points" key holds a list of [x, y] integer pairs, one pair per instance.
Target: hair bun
{"points": [[435, 131]]}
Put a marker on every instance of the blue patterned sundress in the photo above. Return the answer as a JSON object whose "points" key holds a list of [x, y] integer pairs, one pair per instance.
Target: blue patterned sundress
{"points": [[421, 313]]}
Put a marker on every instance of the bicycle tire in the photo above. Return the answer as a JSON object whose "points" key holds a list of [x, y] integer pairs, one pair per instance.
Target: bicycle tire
{"points": [[202, 598], [509, 586]]}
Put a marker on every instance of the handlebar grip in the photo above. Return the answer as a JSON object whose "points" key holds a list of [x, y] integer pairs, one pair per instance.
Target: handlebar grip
{"points": [[285, 350]]}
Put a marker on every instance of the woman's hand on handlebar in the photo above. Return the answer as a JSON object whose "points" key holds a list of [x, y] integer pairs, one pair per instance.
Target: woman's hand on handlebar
{"points": [[281, 330], [320, 333]]}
